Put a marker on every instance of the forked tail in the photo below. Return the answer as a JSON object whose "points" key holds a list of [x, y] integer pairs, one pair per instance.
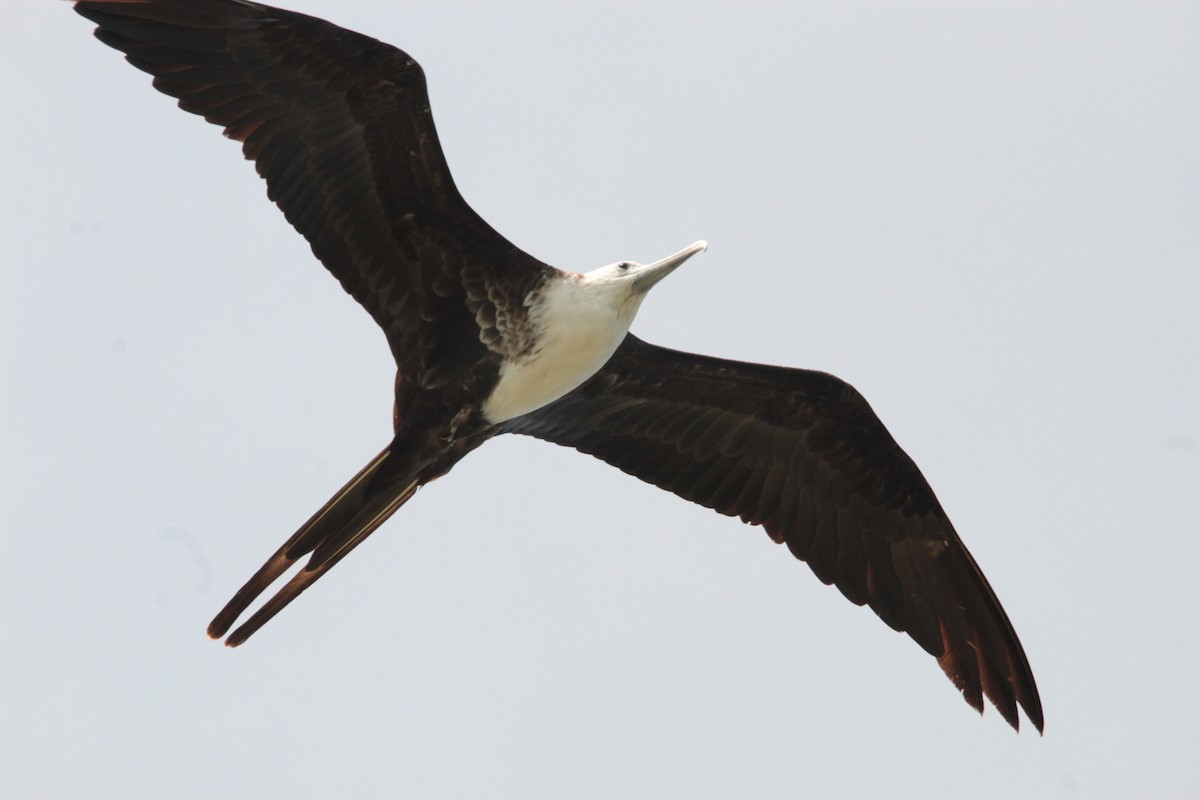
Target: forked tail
{"points": [[342, 524]]}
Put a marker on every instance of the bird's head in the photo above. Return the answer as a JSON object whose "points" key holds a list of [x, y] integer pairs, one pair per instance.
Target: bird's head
{"points": [[629, 281]]}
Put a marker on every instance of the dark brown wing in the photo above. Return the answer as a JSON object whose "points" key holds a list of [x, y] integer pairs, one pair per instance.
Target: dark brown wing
{"points": [[802, 454], [339, 126]]}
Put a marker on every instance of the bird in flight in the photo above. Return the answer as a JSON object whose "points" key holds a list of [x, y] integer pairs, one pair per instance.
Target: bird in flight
{"points": [[489, 340]]}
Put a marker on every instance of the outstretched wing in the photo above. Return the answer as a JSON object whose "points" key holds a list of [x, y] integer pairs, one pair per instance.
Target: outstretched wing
{"points": [[339, 125], [802, 454]]}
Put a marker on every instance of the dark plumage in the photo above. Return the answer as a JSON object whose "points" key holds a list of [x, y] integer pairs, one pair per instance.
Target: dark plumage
{"points": [[339, 126]]}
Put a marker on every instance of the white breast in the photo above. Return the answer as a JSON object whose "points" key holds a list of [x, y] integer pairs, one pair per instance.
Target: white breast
{"points": [[579, 326]]}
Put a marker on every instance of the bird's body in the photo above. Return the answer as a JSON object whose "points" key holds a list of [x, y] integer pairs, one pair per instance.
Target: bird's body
{"points": [[572, 339], [488, 340], [576, 323]]}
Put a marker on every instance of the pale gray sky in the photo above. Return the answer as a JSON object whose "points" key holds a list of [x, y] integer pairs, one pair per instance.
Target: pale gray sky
{"points": [[984, 215]]}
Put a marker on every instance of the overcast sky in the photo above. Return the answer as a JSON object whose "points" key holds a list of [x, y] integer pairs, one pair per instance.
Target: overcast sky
{"points": [[983, 215]]}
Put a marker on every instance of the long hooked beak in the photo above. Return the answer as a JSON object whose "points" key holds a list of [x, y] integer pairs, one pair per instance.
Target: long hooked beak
{"points": [[651, 274]]}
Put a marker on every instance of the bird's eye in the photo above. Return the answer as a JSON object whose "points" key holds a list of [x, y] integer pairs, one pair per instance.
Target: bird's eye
{"points": [[624, 266]]}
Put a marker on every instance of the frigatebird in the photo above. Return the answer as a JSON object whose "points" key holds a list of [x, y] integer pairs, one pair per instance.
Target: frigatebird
{"points": [[489, 340]]}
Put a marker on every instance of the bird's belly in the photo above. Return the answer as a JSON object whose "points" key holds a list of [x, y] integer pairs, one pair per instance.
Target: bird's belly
{"points": [[561, 364]]}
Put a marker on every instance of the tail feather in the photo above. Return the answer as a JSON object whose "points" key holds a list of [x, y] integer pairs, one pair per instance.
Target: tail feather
{"points": [[350, 516]]}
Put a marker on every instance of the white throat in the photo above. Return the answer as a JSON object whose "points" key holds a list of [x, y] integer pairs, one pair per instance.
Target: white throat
{"points": [[579, 321]]}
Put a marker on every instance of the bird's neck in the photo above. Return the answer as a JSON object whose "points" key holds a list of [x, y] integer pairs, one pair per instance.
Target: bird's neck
{"points": [[578, 326]]}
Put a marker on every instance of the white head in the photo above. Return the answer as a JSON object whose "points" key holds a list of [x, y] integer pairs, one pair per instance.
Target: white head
{"points": [[626, 283], [579, 322]]}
